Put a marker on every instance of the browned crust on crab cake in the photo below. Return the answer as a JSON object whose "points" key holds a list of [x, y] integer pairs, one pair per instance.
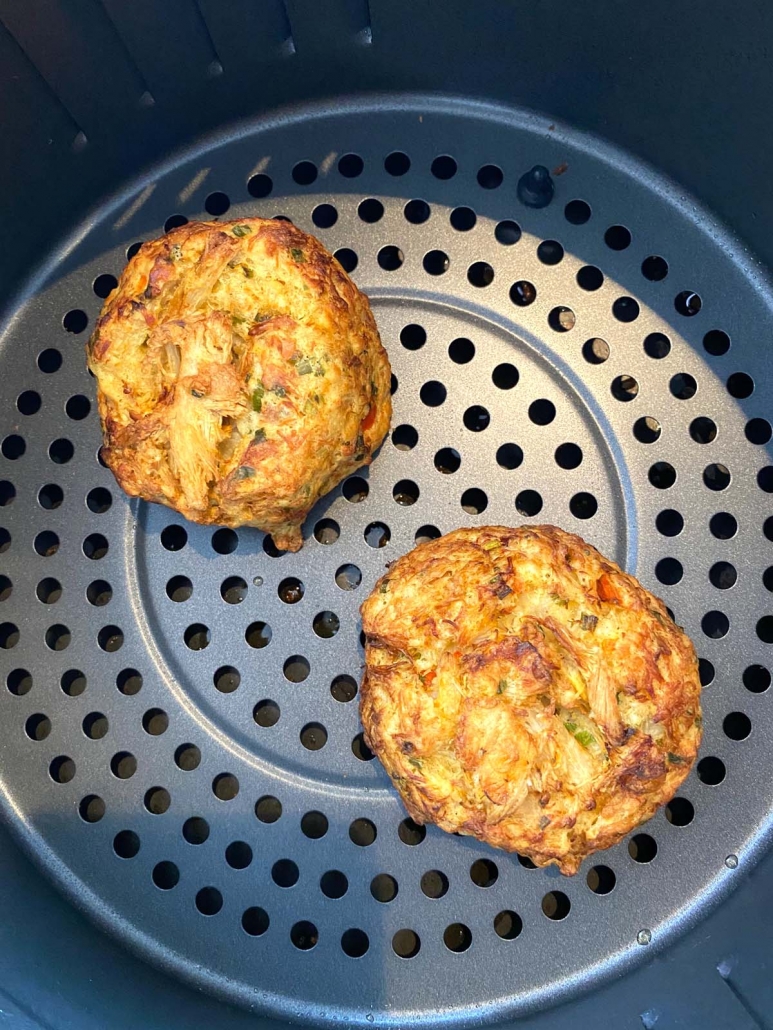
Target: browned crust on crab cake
{"points": [[522, 689], [240, 375]]}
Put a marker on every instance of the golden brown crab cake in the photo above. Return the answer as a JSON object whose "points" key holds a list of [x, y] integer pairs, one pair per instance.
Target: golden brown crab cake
{"points": [[240, 375], [522, 689]]}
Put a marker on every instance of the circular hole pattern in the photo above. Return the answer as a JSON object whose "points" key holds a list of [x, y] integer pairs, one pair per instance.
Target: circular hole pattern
{"points": [[642, 848], [654, 268], [347, 258], [688, 303], [484, 873], [37, 726], [91, 808], [646, 429], [716, 342], [595, 351], [233, 590], [463, 219], [268, 809], [350, 165], [406, 943], [561, 319], [601, 879], [523, 293], [266, 713], [197, 636], [397, 163], [528, 503], [344, 689], [354, 943], [314, 825], [196, 830], [333, 884], [758, 431], [624, 388], [556, 905], [617, 237], [716, 476], [98, 500], [715, 624], [95, 725], [457, 937], [740, 385], [416, 212], [255, 921], [711, 770], [474, 501], [508, 925], [756, 678], [577, 212], [625, 309], [126, 844], [434, 884], [238, 854], [62, 769], [680, 812], [48, 590], [362, 832], [669, 571], [505, 376], [370, 210], [723, 575], [390, 258], [49, 360], [480, 274], [657, 345], [179, 588], [461, 351], [75, 321], [227, 679], [590, 278], [477, 418], [296, 669], [29, 402], [13, 447], [187, 757], [304, 173], [583, 505], [662, 475], [209, 901], [313, 735], [225, 786], [411, 833], [304, 935], [217, 204]]}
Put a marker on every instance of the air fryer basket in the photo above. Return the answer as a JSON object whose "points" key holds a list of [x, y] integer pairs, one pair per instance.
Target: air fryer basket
{"points": [[180, 746]]}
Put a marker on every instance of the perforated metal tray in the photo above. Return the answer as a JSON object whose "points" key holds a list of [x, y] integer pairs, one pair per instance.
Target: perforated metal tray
{"points": [[180, 744]]}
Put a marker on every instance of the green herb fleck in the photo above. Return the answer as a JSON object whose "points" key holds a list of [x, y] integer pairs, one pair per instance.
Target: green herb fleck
{"points": [[501, 686], [238, 319], [197, 393], [298, 254], [589, 622], [175, 252], [257, 397], [699, 721], [241, 230], [260, 436], [676, 759], [416, 762], [304, 367], [279, 391], [581, 736], [563, 602], [384, 588], [244, 472], [232, 264], [544, 822], [248, 272]]}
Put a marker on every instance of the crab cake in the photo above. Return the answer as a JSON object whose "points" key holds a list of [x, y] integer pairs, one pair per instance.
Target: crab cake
{"points": [[522, 689], [240, 375]]}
